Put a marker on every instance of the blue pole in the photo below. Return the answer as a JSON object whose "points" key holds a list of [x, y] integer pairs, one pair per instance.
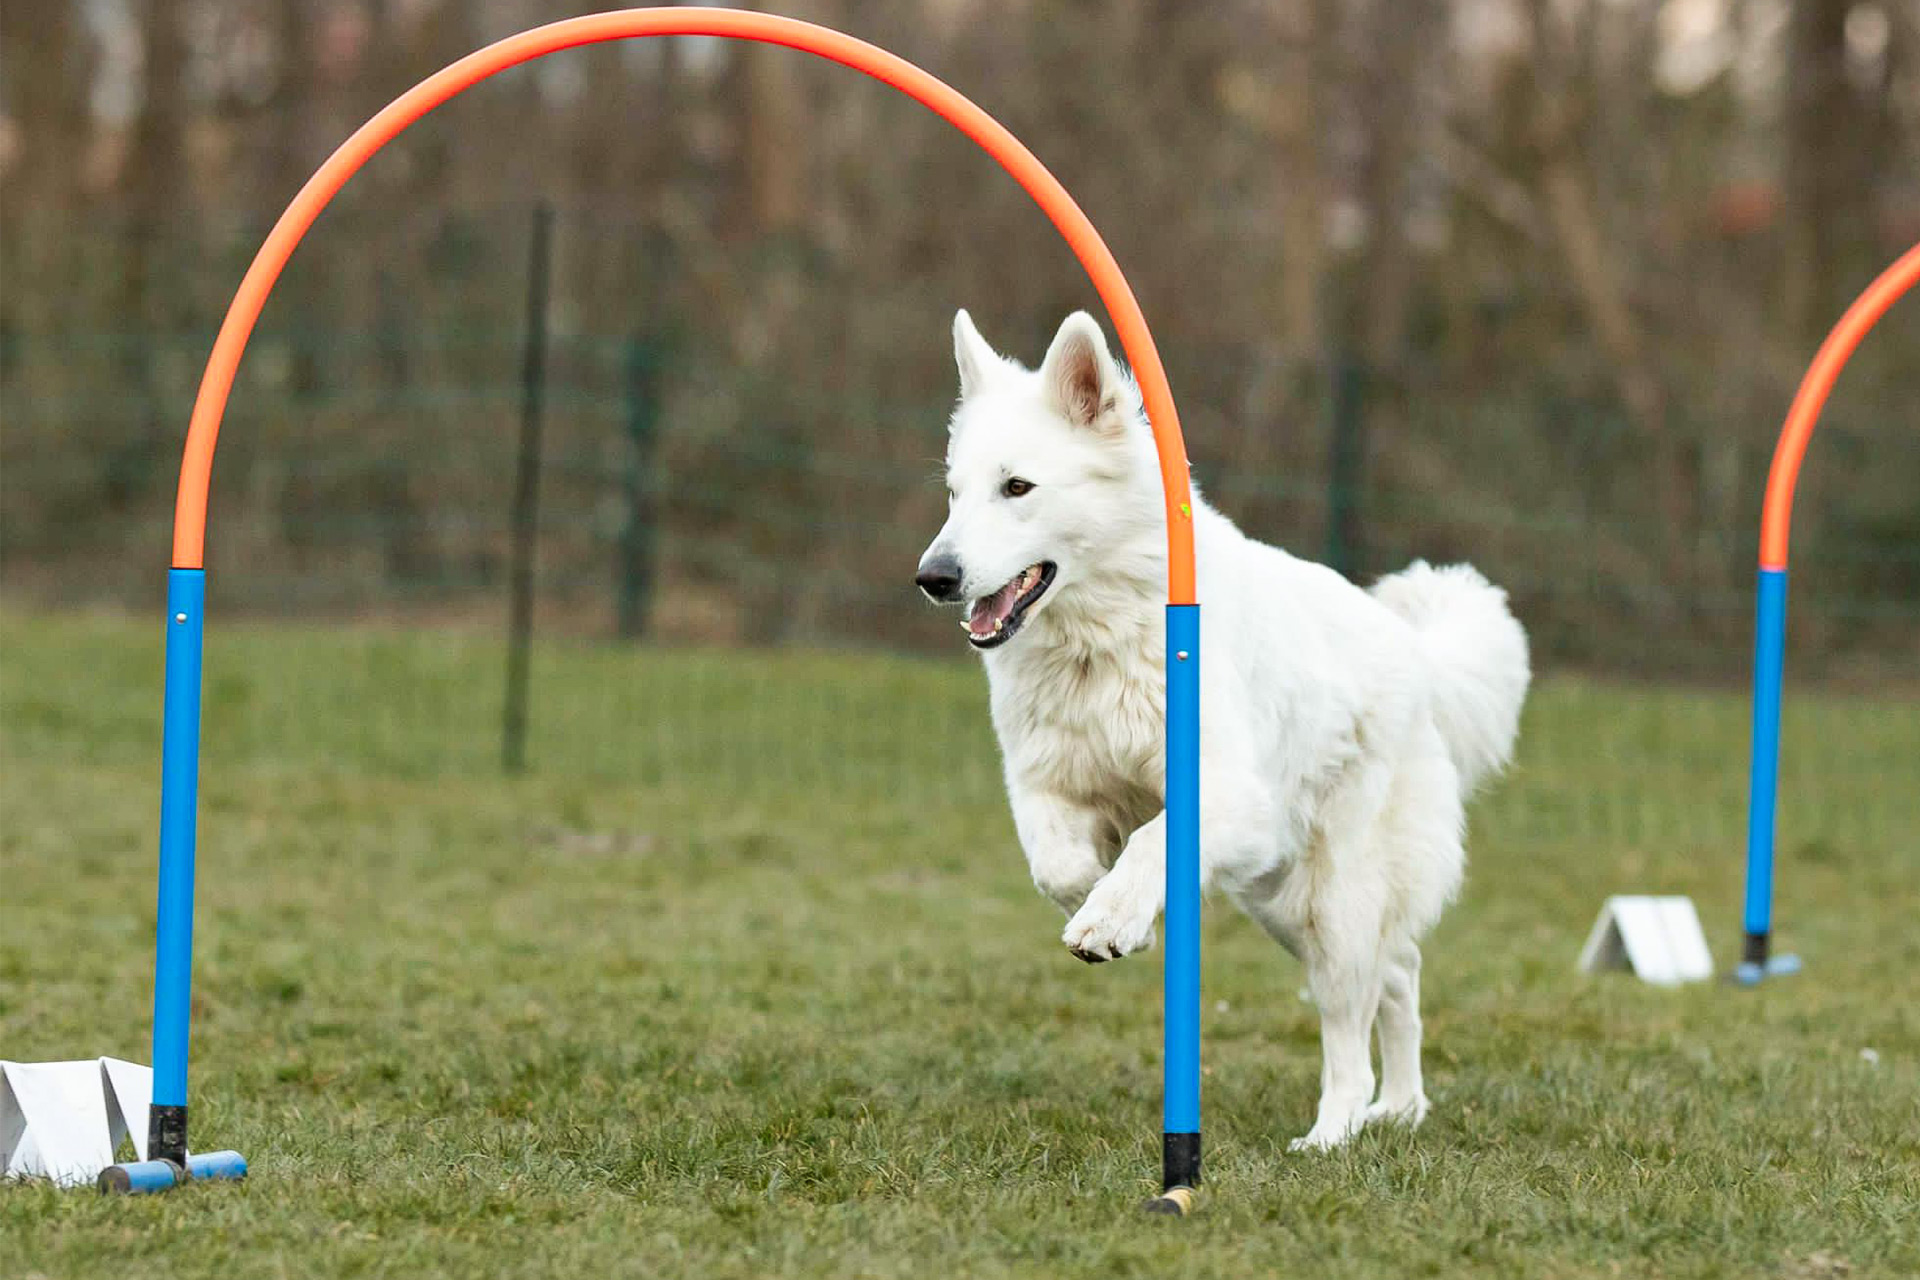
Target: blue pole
{"points": [[1769, 659], [167, 1164], [179, 798], [1181, 1139]]}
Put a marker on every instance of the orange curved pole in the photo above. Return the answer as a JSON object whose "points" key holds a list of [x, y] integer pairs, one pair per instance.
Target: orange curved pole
{"points": [[1777, 515], [190, 509]]}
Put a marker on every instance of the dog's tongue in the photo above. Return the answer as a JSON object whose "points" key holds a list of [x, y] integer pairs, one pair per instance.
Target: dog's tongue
{"points": [[990, 611]]}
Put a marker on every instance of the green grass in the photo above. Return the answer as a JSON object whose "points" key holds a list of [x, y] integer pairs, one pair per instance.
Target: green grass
{"points": [[745, 979]]}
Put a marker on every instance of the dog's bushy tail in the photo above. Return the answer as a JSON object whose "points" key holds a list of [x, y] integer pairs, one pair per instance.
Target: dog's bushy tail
{"points": [[1479, 656]]}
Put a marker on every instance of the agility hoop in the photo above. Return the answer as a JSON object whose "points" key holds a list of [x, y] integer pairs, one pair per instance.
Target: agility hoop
{"points": [[187, 583], [1757, 960]]}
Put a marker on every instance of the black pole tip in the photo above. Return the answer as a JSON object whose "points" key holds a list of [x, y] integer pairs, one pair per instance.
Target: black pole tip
{"points": [[1179, 1160], [167, 1133]]}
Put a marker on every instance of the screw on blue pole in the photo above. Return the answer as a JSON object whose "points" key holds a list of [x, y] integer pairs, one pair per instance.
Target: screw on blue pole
{"points": [[1769, 658], [1180, 1150]]}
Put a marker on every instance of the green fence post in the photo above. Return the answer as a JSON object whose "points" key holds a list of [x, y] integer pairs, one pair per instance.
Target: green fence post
{"points": [[526, 495], [637, 538], [1346, 456]]}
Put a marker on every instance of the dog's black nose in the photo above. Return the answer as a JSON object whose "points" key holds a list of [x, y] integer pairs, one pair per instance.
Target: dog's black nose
{"points": [[939, 577]]}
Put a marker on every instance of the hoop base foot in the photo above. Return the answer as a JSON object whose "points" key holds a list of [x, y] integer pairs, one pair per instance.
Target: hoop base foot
{"points": [[1752, 973], [145, 1177], [1174, 1202]]}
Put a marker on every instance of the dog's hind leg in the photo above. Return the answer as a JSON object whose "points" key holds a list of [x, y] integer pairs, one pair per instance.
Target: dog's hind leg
{"points": [[1426, 824], [1346, 895], [1347, 989], [1402, 1097]]}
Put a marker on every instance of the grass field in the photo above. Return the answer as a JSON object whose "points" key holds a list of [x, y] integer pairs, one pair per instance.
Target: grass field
{"points": [[745, 979]]}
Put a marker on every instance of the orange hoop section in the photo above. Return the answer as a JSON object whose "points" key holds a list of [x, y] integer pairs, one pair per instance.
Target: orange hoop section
{"points": [[1777, 515], [190, 509]]}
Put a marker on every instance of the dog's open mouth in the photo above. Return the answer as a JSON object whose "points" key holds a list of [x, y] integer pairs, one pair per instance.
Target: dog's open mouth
{"points": [[993, 619]]}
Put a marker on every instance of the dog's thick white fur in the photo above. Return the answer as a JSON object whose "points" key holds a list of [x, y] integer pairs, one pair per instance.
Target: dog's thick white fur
{"points": [[1341, 729]]}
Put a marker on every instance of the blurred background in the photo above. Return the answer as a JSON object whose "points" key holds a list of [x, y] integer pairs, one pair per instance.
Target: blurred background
{"points": [[1523, 281]]}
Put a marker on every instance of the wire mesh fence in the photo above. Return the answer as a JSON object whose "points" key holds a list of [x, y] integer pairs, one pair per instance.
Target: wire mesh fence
{"points": [[740, 482], [725, 463]]}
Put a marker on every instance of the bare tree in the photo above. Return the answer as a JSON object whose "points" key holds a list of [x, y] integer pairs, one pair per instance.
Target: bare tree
{"points": [[1300, 102]]}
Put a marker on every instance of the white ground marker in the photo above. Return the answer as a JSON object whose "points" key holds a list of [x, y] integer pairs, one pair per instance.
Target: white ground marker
{"points": [[1659, 939]]}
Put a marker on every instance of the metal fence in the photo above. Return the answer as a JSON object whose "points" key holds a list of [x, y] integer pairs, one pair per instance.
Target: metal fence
{"points": [[459, 429], [722, 463]]}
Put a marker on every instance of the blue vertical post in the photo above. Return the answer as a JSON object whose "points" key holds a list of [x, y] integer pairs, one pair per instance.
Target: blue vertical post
{"points": [[1769, 658], [1181, 1136], [179, 801], [167, 1164]]}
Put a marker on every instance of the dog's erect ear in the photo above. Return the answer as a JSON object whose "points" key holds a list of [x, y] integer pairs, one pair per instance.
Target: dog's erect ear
{"points": [[1079, 374], [972, 354]]}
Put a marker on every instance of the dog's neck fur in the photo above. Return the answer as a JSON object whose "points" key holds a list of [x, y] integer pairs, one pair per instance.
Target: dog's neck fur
{"points": [[1074, 716]]}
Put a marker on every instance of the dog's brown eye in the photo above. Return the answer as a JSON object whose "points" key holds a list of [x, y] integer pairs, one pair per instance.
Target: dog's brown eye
{"points": [[1016, 487]]}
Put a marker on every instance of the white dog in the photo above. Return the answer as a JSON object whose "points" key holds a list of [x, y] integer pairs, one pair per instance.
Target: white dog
{"points": [[1341, 729]]}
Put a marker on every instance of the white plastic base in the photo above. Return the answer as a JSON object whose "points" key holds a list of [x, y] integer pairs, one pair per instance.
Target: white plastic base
{"points": [[1660, 939], [62, 1120]]}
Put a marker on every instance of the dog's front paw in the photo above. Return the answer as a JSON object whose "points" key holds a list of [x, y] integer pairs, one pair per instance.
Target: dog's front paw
{"points": [[1113, 922], [1333, 1127], [1407, 1111], [1325, 1137]]}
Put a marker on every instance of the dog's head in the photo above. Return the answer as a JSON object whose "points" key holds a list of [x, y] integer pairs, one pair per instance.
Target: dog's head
{"points": [[1044, 472]]}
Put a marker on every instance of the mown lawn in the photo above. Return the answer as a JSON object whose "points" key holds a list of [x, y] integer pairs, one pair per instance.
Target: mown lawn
{"points": [[745, 979]]}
